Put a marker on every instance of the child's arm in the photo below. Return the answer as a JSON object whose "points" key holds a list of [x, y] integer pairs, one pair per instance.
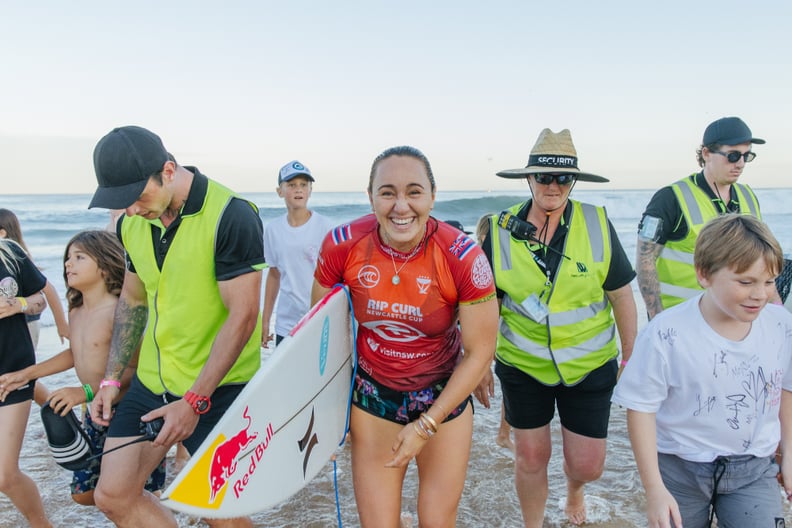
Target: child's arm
{"points": [[785, 416], [57, 311], [271, 289], [58, 363], [660, 504]]}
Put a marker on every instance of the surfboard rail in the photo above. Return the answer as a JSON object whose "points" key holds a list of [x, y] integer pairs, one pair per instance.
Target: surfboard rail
{"points": [[283, 427]]}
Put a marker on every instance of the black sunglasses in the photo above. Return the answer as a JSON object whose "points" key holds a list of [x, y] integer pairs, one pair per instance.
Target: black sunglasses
{"points": [[734, 155], [561, 179]]}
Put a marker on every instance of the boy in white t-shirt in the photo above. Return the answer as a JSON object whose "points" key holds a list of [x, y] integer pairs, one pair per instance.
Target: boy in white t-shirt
{"points": [[707, 389], [291, 245]]}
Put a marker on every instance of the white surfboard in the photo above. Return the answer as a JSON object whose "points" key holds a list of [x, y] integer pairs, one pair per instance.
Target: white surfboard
{"points": [[283, 427]]}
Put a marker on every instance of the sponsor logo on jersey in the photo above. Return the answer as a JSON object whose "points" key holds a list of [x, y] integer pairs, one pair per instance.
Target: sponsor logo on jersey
{"points": [[423, 284], [394, 331], [368, 276], [481, 273]]}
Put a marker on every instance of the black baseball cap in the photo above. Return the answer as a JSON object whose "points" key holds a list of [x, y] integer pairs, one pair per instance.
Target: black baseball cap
{"points": [[458, 225], [123, 161], [729, 131]]}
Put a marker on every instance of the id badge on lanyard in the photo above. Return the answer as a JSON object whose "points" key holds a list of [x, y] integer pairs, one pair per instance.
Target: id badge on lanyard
{"points": [[537, 310]]}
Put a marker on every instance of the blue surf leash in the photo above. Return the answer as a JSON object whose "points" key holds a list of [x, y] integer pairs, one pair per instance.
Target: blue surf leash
{"points": [[349, 400]]}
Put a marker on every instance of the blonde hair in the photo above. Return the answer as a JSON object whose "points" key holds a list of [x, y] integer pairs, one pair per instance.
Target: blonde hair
{"points": [[736, 242], [8, 257], [483, 228]]}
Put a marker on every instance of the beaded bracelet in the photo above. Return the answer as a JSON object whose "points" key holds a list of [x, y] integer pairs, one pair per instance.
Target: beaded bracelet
{"points": [[89, 395]]}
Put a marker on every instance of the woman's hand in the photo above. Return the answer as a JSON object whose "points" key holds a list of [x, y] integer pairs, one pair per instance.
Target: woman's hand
{"points": [[407, 446], [11, 381], [485, 389]]}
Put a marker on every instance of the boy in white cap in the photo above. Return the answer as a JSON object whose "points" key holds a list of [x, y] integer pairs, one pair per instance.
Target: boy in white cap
{"points": [[291, 245]]}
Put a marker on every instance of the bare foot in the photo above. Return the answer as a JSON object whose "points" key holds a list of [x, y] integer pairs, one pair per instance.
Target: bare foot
{"points": [[575, 508], [504, 440], [406, 520]]}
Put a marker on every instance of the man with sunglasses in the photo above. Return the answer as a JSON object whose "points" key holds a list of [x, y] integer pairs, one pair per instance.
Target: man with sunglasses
{"points": [[563, 282], [676, 214]]}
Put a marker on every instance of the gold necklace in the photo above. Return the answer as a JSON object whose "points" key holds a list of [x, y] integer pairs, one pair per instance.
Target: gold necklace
{"points": [[395, 280]]}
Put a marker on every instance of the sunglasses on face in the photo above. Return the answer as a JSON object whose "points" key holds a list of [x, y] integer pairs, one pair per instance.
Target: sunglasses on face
{"points": [[561, 179], [734, 155]]}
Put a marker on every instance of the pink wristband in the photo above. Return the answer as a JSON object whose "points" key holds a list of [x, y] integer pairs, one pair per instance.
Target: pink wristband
{"points": [[110, 382], [623, 363]]}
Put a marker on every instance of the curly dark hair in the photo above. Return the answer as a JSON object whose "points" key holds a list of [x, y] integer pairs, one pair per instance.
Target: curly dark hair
{"points": [[104, 248]]}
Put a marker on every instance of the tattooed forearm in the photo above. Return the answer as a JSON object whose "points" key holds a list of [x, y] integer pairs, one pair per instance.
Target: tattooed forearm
{"points": [[646, 270], [128, 326]]}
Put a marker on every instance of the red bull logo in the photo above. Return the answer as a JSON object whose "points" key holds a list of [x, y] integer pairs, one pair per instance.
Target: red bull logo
{"points": [[227, 454]]}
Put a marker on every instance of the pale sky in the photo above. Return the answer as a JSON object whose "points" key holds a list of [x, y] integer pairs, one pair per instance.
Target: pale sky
{"points": [[240, 88]]}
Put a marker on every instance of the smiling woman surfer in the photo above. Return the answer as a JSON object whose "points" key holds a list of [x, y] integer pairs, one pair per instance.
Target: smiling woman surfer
{"points": [[411, 278]]}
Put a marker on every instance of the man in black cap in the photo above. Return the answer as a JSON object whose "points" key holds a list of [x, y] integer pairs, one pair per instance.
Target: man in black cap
{"points": [[190, 302], [676, 214]]}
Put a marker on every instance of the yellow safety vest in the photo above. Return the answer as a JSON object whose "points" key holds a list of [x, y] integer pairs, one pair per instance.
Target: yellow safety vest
{"points": [[578, 335], [185, 308], [675, 269]]}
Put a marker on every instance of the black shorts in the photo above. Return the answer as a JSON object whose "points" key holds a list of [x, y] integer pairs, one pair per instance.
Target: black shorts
{"points": [[139, 400], [397, 406], [583, 408]]}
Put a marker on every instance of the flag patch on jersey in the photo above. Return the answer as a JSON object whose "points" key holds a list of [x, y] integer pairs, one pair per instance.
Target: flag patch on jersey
{"points": [[342, 233], [461, 246]]}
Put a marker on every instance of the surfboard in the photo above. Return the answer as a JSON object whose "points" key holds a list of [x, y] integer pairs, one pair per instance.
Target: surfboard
{"points": [[282, 428]]}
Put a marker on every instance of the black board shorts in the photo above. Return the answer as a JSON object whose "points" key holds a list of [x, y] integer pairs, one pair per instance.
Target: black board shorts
{"points": [[139, 401], [583, 408]]}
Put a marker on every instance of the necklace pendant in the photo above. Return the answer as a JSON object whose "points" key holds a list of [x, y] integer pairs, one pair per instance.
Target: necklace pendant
{"points": [[395, 280]]}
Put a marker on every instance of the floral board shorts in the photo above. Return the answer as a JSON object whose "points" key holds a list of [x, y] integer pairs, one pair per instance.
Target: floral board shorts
{"points": [[398, 406]]}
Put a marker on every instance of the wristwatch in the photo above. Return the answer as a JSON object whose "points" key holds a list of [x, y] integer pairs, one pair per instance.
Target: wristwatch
{"points": [[200, 404]]}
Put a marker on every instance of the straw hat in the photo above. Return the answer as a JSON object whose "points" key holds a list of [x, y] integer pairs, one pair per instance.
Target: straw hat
{"points": [[553, 153]]}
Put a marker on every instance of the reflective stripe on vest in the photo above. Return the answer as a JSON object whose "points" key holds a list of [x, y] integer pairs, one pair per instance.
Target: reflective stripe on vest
{"points": [[578, 335], [675, 270]]}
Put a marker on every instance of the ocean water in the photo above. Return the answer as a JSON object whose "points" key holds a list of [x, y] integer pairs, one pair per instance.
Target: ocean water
{"points": [[489, 499]]}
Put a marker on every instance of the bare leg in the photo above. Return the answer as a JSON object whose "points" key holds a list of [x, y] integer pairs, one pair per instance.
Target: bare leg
{"points": [[532, 454], [13, 483], [584, 460], [182, 456], [442, 466], [378, 489], [504, 434], [119, 492], [40, 393]]}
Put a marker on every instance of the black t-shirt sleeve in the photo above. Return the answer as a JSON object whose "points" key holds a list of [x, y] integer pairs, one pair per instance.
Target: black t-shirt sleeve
{"points": [[620, 272], [664, 205], [240, 241]]}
